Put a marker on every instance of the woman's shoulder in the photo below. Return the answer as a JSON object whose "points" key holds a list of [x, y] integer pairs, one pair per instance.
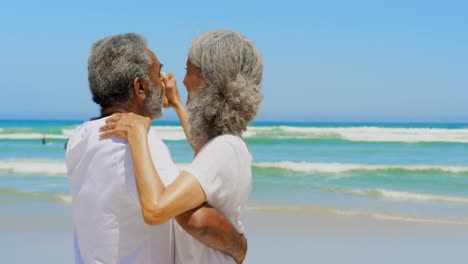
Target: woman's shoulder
{"points": [[226, 140], [227, 144]]}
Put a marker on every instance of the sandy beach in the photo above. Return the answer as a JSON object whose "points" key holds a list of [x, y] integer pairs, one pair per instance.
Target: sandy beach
{"points": [[44, 235], [314, 238]]}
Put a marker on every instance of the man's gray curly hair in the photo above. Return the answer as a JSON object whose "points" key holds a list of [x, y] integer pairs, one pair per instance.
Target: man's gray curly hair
{"points": [[113, 65], [232, 69]]}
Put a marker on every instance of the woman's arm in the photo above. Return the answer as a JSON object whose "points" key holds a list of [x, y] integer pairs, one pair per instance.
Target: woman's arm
{"points": [[173, 98], [158, 204]]}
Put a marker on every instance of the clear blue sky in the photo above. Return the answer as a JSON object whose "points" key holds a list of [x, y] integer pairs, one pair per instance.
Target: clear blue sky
{"points": [[378, 61]]}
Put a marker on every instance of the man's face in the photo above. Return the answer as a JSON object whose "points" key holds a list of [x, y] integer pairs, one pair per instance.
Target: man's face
{"points": [[153, 102], [155, 71]]}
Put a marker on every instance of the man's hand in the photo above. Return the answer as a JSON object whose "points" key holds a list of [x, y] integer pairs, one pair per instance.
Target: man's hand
{"points": [[239, 255], [212, 229]]}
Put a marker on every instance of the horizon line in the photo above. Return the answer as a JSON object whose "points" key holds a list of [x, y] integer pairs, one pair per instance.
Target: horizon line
{"points": [[269, 121]]}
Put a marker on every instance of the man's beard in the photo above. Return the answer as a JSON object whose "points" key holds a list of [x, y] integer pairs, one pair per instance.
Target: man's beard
{"points": [[154, 101]]}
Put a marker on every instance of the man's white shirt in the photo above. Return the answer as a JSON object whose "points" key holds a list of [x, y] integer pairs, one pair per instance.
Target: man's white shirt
{"points": [[108, 222]]}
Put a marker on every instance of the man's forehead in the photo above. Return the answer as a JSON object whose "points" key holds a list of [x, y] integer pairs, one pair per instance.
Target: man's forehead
{"points": [[152, 55]]}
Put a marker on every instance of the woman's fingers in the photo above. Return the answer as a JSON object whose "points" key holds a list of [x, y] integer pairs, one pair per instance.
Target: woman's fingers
{"points": [[105, 134], [113, 126], [114, 118], [165, 101], [115, 130], [168, 80], [124, 125], [104, 128], [122, 118], [171, 92]]}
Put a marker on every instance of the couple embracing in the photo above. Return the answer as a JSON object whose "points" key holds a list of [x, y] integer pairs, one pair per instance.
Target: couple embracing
{"points": [[131, 204]]}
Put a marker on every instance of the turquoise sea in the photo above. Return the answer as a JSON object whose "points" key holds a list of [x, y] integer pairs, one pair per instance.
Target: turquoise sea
{"points": [[402, 172]]}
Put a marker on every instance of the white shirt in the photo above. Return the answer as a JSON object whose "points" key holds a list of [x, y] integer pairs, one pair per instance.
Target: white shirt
{"points": [[109, 226], [223, 169]]}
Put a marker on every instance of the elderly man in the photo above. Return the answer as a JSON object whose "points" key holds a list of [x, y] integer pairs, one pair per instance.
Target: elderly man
{"points": [[124, 76]]}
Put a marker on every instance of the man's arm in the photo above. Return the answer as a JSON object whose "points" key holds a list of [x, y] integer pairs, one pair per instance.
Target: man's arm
{"points": [[212, 229]]}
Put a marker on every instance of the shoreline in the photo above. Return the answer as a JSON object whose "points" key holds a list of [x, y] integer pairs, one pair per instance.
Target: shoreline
{"points": [[317, 211], [42, 233]]}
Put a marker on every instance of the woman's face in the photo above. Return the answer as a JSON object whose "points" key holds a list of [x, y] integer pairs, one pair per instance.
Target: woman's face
{"points": [[193, 80]]}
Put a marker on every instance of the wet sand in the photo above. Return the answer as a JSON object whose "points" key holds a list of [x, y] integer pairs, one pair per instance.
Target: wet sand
{"points": [[42, 233]]}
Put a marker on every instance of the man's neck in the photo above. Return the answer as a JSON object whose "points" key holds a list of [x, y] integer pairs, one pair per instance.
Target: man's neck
{"points": [[107, 111]]}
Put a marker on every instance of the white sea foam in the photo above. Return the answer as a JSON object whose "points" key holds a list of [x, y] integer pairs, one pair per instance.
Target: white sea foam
{"points": [[47, 167], [408, 196], [401, 218], [351, 213], [32, 136], [57, 167], [363, 134], [360, 134], [347, 167], [166, 133], [170, 133], [36, 195], [64, 198], [403, 196], [34, 167], [67, 132]]}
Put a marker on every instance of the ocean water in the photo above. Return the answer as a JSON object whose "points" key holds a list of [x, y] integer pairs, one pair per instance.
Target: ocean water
{"points": [[400, 172]]}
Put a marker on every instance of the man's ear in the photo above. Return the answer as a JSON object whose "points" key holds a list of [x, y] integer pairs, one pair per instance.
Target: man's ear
{"points": [[139, 88]]}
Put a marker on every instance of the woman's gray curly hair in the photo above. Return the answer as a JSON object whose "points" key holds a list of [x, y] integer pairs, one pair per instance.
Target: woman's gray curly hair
{"points": [[232, 69]]}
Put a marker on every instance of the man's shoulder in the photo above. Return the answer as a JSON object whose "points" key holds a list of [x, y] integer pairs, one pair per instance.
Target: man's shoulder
{"points": [[91, 126]]}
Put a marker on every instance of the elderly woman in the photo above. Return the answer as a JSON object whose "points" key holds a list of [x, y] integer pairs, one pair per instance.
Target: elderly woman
{"points": [[224, 73]]}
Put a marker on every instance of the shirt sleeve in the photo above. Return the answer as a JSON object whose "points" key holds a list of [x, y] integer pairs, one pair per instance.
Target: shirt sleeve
{"points": [[208, 166]]}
